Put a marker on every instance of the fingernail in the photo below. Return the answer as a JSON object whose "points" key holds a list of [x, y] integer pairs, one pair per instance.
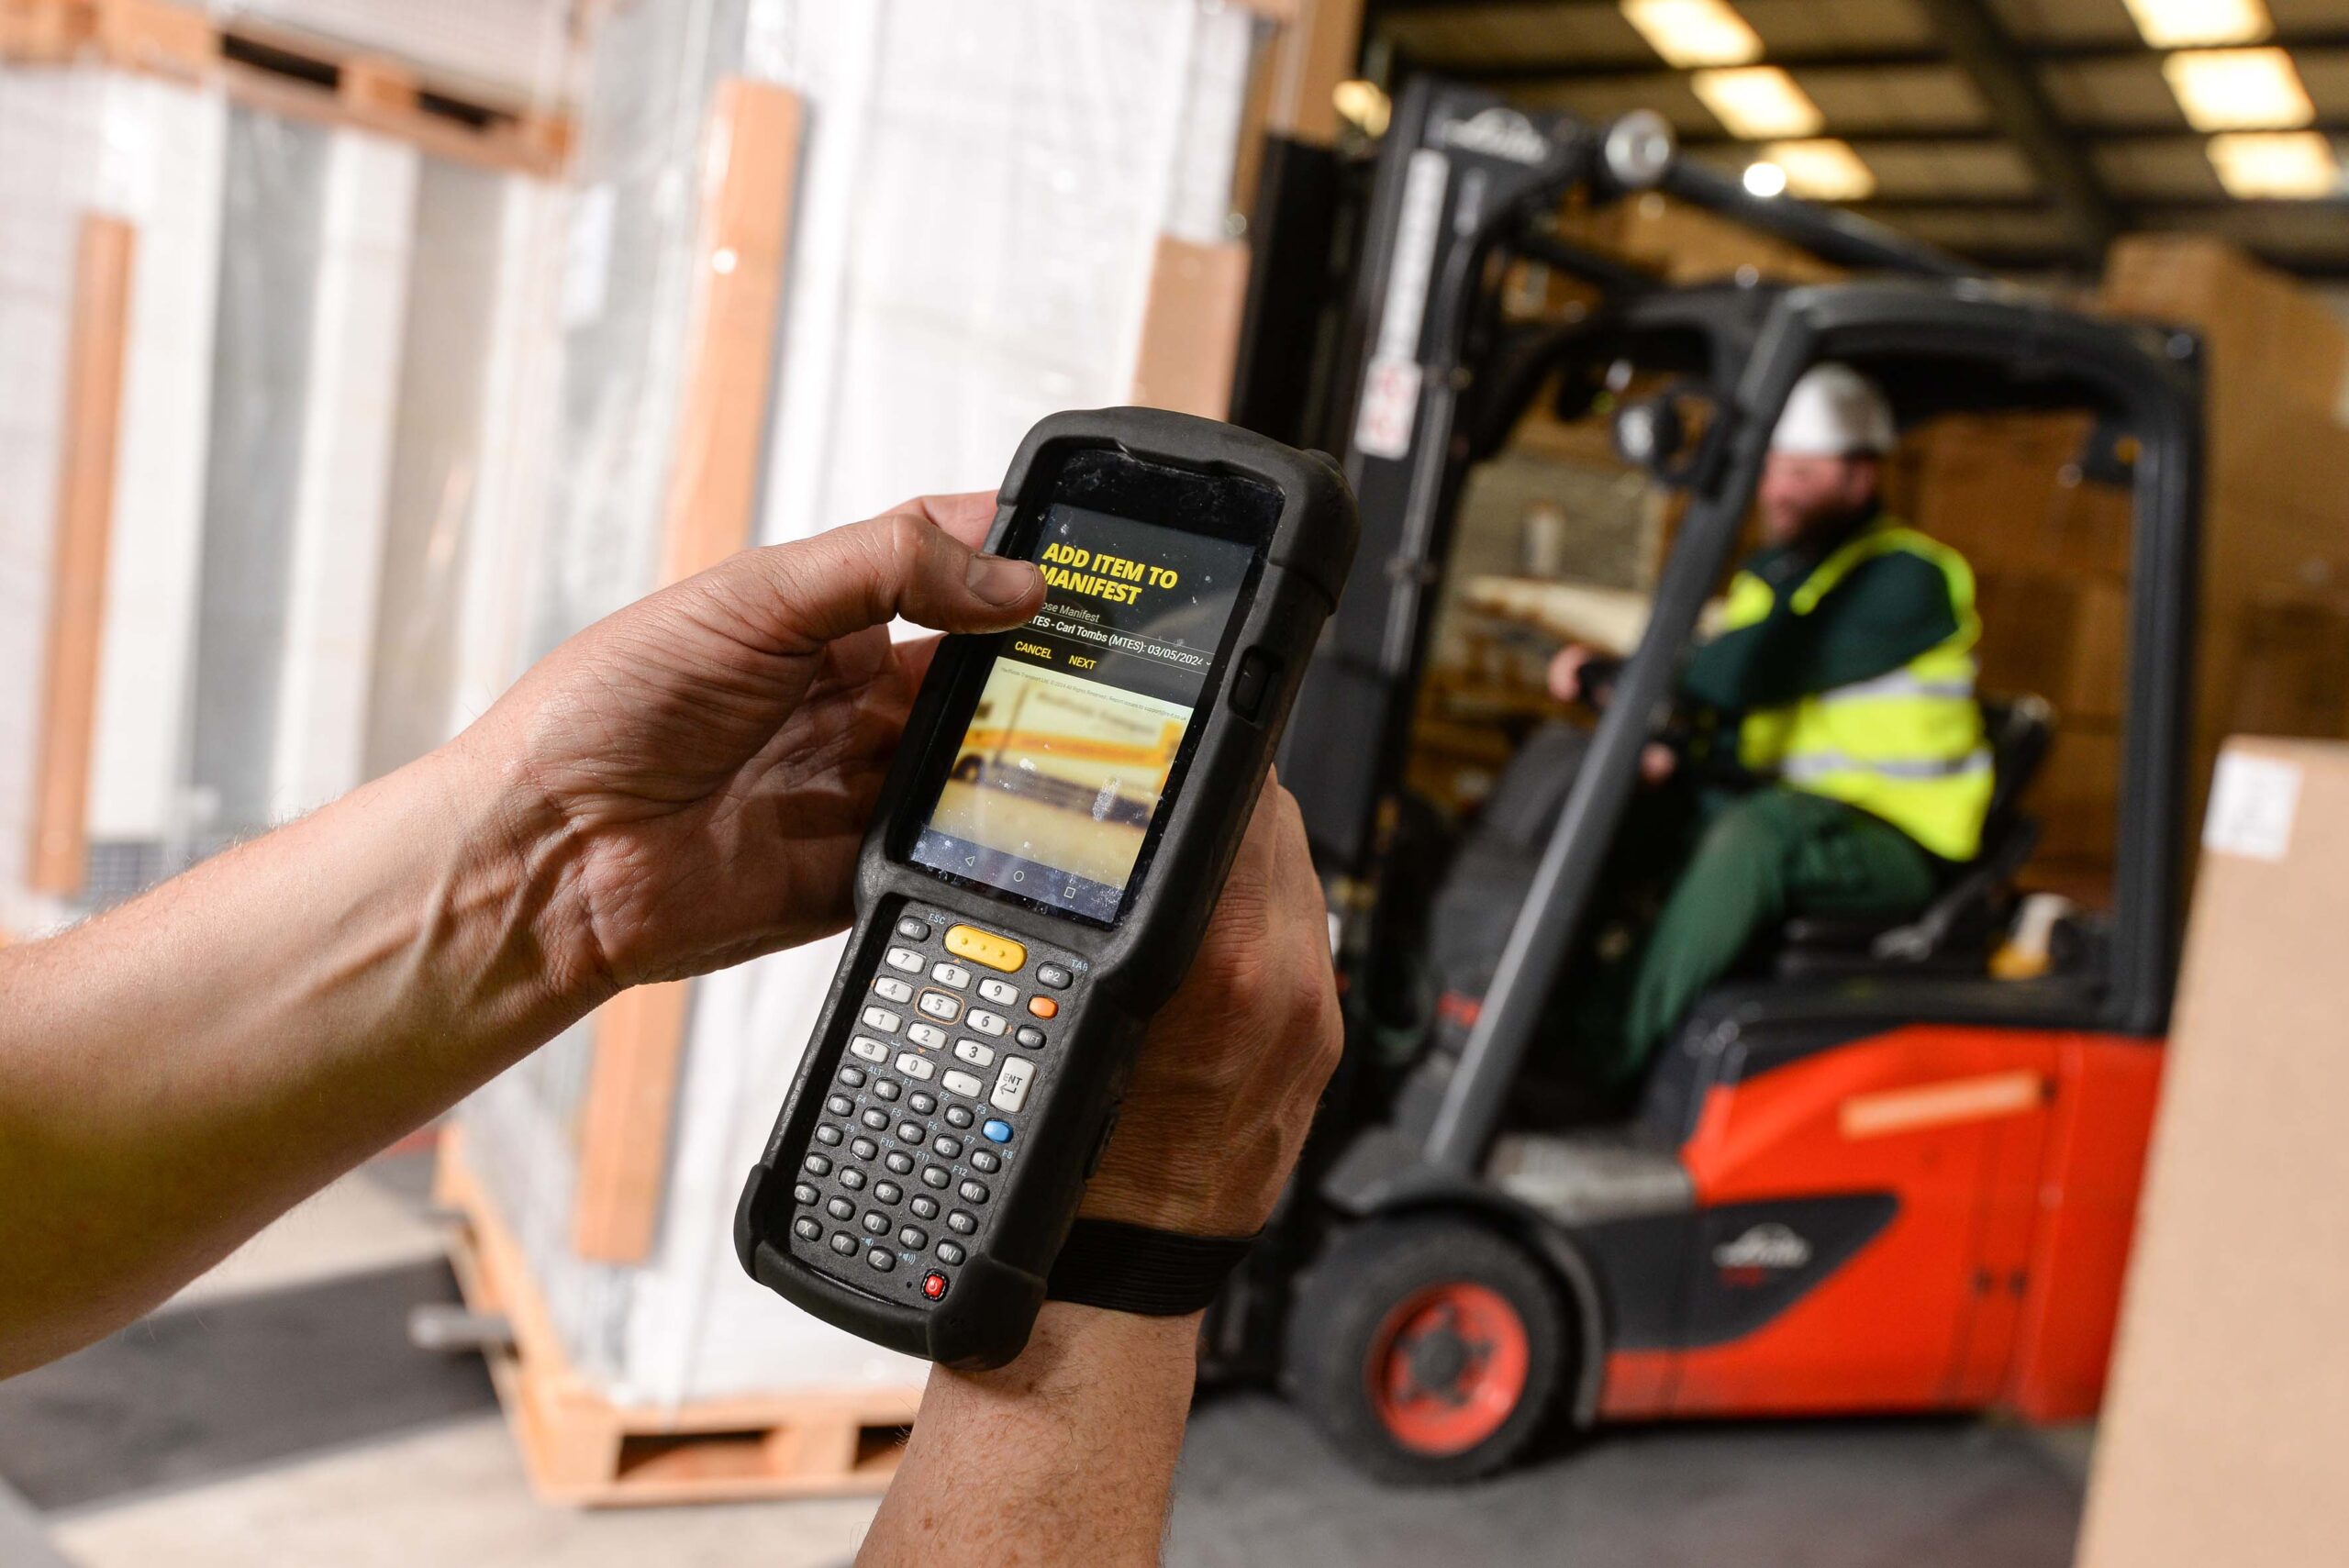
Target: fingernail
{"points": [[1000, 581]]}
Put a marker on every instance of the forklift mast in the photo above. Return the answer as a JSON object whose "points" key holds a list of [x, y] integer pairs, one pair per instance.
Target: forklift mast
{"points": [[1464, 183]]}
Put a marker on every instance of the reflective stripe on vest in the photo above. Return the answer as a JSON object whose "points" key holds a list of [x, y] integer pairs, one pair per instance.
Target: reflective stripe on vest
{"points": [[1907, 745]]}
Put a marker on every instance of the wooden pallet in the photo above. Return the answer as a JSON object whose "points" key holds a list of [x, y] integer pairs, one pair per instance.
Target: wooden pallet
{"points": [[293, 75], [578, 1447]]}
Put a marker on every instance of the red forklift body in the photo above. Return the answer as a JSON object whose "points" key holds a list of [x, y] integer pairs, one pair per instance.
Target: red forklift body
{"points": [[1990, 1178]]}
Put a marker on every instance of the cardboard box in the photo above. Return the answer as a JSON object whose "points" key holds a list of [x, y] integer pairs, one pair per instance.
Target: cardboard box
{"points": [[2051, 552], [1689, 245], [2228, 1413], [2061, 637], [2007, 491], [2260, 558], [2076, 795], [2291, 675], [2286, 454], [2270, 341]]}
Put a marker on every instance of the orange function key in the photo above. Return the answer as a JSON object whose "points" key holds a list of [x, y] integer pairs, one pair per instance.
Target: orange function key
{"points": [[986, 947], [1042, 1007]]}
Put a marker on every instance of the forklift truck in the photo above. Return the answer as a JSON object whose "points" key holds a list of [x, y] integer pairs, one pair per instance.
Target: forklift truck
{"points": [[1865, 1175]]}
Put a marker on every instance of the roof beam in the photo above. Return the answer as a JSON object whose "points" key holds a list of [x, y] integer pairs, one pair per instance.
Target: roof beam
{"points": [[2027, 258], [1512, 73], [1813, 57], [1979, 46], [1863, 137], [1378, 8], [1899, 209]]}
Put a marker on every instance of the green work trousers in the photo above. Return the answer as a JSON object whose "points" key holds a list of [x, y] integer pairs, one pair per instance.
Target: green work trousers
{"points": [[1758, 858]]}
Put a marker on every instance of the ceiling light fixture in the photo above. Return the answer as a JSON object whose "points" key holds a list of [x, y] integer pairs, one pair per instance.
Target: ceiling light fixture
{"points": [[1764, 179], [1758, 102], [1694, 32], [2238, 89], [2292, 165], [1824, 170], [2184, 23]]}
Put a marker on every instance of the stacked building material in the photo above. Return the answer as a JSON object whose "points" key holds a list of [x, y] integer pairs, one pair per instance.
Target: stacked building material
{"points": [[261, 349], [2272, 647], [821, 259]]}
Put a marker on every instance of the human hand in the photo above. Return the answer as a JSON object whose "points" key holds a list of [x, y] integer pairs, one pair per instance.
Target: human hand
{"points": [[1235, 1063], [692, 775], [1565, 671]]}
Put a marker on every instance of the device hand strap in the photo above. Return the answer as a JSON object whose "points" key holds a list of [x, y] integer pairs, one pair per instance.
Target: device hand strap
{"points": [[1154, 1273]]}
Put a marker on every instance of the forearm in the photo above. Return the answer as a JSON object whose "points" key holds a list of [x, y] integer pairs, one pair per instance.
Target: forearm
{"points": [[1066, 1456], [176, 1072]]}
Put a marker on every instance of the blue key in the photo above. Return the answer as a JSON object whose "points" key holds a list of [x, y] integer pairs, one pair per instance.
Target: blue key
{"points": [[998, 1129]]}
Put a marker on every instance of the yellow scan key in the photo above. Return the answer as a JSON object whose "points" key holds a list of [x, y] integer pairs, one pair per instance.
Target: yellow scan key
{"points": [[986, 947]]}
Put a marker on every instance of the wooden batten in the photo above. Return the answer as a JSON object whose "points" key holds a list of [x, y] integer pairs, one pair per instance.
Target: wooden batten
{"points": [[43, 32], [1317, 47], [1198, 291], [377, 84], [1190, 330], [750, 164], [751, 160], [624, 1122], [78, 569], [157, 37]]}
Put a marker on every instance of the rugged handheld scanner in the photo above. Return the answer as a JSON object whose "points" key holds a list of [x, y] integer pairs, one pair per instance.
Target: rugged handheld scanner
{"points": [[1051, 840]]}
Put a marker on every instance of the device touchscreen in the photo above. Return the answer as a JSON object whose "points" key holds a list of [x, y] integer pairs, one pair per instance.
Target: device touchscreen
{"points": [[1071, 751]]}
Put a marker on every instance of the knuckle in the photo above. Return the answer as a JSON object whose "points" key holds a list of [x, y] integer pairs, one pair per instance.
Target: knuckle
{"points": [[894, 552], [1316, 1017], [903, 535], [1243, 981]]}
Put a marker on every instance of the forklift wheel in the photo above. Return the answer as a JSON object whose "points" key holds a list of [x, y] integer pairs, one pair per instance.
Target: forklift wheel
{"points": [[1426, 1349]]}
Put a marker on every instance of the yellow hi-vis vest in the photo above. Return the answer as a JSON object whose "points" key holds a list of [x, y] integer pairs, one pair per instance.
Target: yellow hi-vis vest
{"points": [[1906, 746]]}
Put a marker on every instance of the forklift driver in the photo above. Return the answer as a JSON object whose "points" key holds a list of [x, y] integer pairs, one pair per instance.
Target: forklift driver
{"points": [[1836, 765]]}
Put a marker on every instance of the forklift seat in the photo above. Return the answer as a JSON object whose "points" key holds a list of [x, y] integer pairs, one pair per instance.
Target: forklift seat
{"points": [[1956, 931], [1482, 891]]}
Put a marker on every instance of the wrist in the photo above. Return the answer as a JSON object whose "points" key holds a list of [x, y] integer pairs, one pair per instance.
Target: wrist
{"points": [[514, 878], [1072, 1444], [1227, 1193], [1073, 1350], [1205, 1214]]}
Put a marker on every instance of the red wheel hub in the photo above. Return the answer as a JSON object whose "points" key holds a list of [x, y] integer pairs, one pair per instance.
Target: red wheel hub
{"points": [[1446, 1367]]}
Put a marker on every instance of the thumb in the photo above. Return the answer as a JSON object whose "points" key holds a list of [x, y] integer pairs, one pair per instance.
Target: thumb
{"points": [[796, 598]]}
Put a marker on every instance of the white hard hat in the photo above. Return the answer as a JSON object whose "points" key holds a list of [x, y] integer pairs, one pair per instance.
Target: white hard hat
{"points": [[1833, 411]]}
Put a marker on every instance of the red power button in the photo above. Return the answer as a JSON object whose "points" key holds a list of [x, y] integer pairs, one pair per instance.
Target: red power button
{"points": [[934, 1285]]}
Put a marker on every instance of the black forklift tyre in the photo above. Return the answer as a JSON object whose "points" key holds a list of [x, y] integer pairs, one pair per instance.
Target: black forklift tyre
{"points": [[1428, 1351]]}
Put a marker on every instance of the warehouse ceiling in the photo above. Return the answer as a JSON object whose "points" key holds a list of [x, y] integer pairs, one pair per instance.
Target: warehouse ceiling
{"points": [[2025, 133]]}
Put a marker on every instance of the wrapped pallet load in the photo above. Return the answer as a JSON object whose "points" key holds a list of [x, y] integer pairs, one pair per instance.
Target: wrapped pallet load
{"points": [[820, 259], [263, 340]]}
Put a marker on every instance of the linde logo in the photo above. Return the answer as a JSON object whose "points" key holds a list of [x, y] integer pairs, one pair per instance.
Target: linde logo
{"points": [[1768, 1246], [1499, 133]]}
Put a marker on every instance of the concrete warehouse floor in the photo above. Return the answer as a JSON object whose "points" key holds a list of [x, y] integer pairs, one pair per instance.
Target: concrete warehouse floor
{"points": [[275, 1414]]}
